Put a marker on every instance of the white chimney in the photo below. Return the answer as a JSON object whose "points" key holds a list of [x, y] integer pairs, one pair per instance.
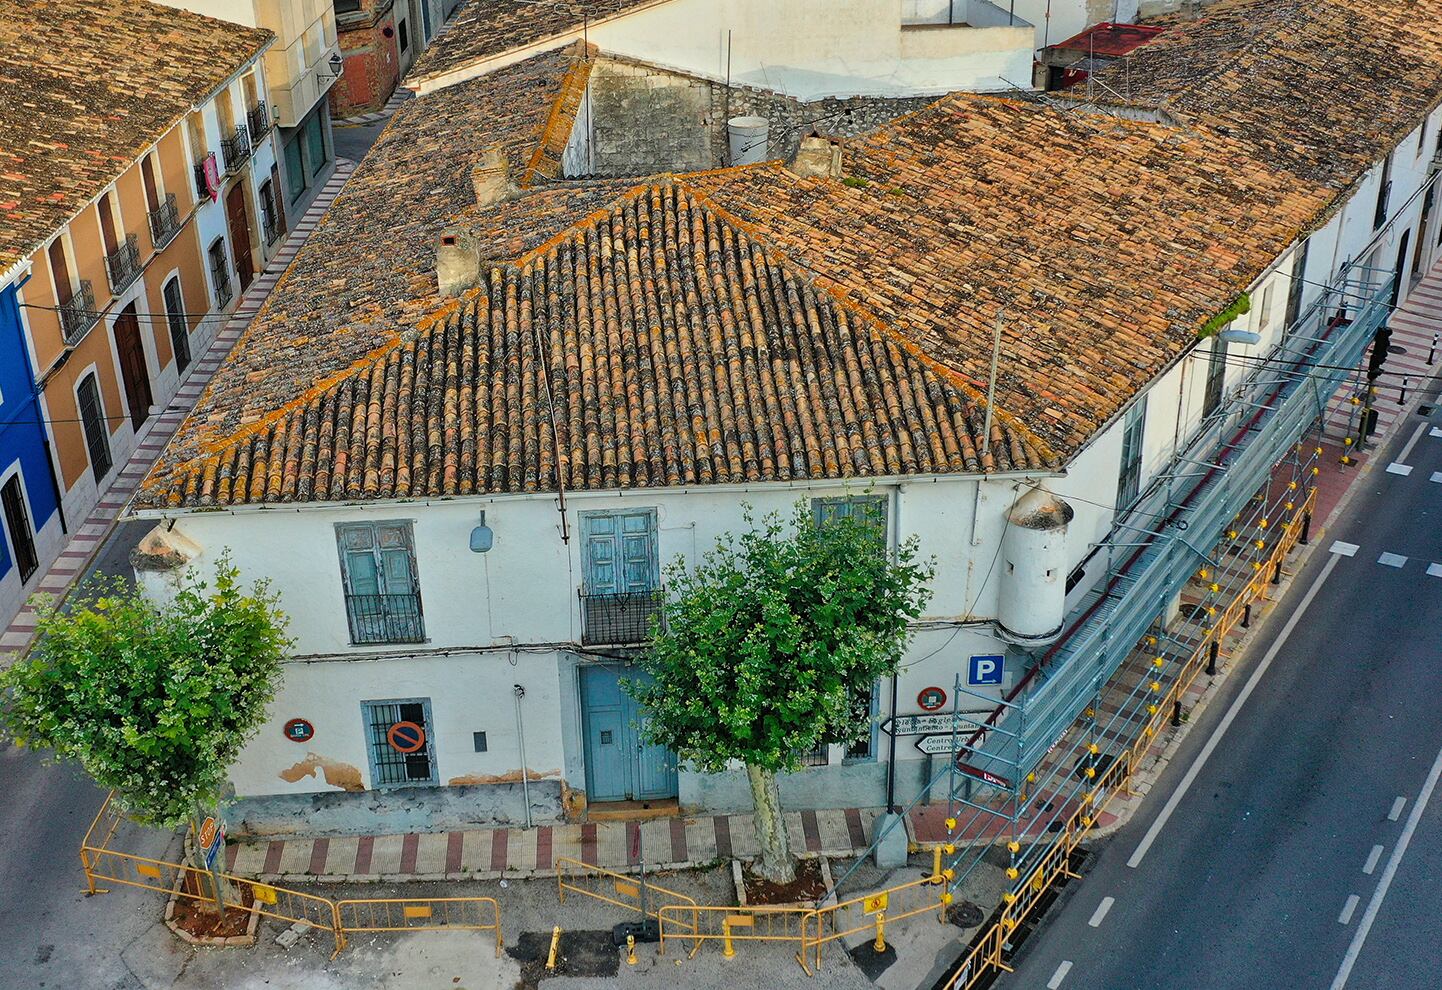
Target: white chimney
{"points": [[491, 177]]}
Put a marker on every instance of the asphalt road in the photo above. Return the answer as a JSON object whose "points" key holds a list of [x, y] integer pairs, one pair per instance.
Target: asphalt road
{"points": [[1296, 855]]}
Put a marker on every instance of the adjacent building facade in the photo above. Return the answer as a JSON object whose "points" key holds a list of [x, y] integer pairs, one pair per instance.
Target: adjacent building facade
{"points": [[469, 497], [128, 221], [381, 39]]}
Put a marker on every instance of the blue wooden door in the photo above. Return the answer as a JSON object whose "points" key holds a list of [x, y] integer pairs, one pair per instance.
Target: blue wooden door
{"points": [[619, 767]]}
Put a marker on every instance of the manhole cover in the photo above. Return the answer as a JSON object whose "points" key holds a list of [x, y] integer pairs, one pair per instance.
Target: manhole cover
{"points": [[1424, 410], [1396, 349], [965, 914]]}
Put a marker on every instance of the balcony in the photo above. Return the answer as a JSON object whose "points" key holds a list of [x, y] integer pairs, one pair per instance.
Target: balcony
{"points": [[164, 222], [78, 313], [385, 619], [202, 186], [257, 119], [270, 229], [617, 619], [123, 264], [235, 150], [223, 292]]}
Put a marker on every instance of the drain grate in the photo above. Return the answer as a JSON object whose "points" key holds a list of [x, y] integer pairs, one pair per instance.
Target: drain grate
{"points": [[1424, 410]]}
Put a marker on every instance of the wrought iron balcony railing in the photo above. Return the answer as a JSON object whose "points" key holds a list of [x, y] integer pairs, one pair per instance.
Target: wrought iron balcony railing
{"points": [[271, 229], [235, 149], [202, 187], [78, 313], [385, 618], [164, 222], [123, 264], [257, 118], [615, 619]]}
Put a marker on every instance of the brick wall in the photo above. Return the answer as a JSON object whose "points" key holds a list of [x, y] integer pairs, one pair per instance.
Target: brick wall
{"points": [[372, 67]]}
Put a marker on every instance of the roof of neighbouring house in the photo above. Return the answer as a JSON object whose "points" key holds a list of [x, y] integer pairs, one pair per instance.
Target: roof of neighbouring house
{"points": [[742, 324], [1110, 40], [87, 87], [1321, 88], [483, 29]]}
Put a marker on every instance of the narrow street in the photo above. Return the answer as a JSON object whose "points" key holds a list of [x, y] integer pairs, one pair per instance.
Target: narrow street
{"points": [[1298, 850]]}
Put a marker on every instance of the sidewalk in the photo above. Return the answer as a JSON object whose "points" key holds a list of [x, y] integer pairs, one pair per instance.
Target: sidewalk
{"points": [[87, 537], [489, 853]]}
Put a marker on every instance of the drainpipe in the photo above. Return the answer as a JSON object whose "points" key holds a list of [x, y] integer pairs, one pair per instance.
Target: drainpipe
{"points": [[521, 738]]}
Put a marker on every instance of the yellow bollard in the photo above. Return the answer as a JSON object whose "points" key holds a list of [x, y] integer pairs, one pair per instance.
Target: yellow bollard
{"points": [[630, 950], [727, 949], [880, 944], [555, 944]]}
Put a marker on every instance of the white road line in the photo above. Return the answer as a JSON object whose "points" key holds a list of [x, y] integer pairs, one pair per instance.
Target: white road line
{"points": [[1230, 716], [1392, 560], [1345, 918], [1416, 435], [1059, 975], [1396, 811], [1101, 911], [1437, 477], [1347, 549], [1435, 432], [1372, 858], [1396, 467], [1434, 570], [1393, 861]]}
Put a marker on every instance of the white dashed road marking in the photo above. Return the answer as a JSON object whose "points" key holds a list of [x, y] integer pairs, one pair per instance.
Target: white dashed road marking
{"points": [[1101, 911], [1345, 549], [1345, 918], [1391, 560], [1396, 811], [1434, 570], [1059, 975], [1435, 432], [1402, 469], [1437, 477], [1372, 858]]}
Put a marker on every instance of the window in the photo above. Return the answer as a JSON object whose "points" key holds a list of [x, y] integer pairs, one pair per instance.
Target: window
{"points": [[869, 509], [1129, 480], [219, 273], [1264, 311], [347, 6], [108, 234], [1216, 377], [865, 705], [92, 418], [315, 143], [1384, 190], [179, 328], [816, 756], [382, 589], [621, 575], [405, 33], [17, 524], [390, 765], [1294, 290]]}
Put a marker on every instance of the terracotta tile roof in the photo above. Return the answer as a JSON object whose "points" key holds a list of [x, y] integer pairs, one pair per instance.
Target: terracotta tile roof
{"points": [[86, 88], [667, 347], [486, 28], [367, 272], [1322, 88], [1108, 242]]}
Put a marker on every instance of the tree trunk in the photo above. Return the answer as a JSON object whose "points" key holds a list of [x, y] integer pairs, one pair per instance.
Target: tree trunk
{"points": [[775, 862], [218, 890]]}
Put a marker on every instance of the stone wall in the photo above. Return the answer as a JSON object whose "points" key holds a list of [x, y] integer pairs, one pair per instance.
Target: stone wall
{"points": [[641, 120]]}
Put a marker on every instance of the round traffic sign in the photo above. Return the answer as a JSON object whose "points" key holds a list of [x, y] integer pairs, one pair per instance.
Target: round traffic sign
{"points": [[406, 737], [299, 730], [931, 699]]}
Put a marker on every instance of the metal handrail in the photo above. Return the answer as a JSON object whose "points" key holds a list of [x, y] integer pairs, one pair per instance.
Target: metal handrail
{"points": [[202, 187], [78, 313], [617, 618], [164, 222], [123, 264], [257, 118]]}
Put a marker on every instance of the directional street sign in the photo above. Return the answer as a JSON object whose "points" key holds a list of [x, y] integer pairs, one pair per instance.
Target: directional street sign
{"points": [[940, 745], [925, 725]]}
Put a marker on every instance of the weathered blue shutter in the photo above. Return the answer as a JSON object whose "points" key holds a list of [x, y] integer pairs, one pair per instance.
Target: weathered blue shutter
{"points": [[601, 551]]}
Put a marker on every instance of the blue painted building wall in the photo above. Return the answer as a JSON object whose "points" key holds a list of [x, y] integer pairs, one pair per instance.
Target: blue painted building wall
{"points": [[22, 437]]}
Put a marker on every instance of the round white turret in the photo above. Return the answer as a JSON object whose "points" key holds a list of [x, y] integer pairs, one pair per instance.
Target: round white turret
{"points": [[1032, 596]]}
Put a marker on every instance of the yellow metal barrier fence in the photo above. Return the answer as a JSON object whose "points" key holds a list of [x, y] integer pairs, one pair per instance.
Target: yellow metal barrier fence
{"points": [[729, 925], [390, 914], [620, 889], [868, 912], [986, 956]]}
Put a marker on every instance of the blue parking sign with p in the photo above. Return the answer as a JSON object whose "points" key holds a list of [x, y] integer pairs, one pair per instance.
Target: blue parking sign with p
{"points": [[986, 669]]}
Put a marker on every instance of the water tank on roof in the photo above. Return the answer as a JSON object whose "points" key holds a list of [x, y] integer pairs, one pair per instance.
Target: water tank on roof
{"points": [[1032, 595], [748, 139]]}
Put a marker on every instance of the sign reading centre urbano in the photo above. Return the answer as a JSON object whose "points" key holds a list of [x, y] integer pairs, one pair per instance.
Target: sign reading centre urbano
{"points": [[940, 745]]}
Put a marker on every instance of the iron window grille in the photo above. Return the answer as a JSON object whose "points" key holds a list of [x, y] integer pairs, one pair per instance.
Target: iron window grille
{"points": [[619, 618], [235, 149], [123, 264], [78, 314], [223, 293], [389, 766], [259, 122], [92, 418], [164, 222], [385, 618], [270, 228]]}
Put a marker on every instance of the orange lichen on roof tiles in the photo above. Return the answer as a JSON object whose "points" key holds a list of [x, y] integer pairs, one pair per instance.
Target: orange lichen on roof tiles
{"points": [[87, 88], [545, 161]]}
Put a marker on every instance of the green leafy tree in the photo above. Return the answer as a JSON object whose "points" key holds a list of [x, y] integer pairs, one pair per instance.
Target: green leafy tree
{"points": [[766, 647], [153, 699]]}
